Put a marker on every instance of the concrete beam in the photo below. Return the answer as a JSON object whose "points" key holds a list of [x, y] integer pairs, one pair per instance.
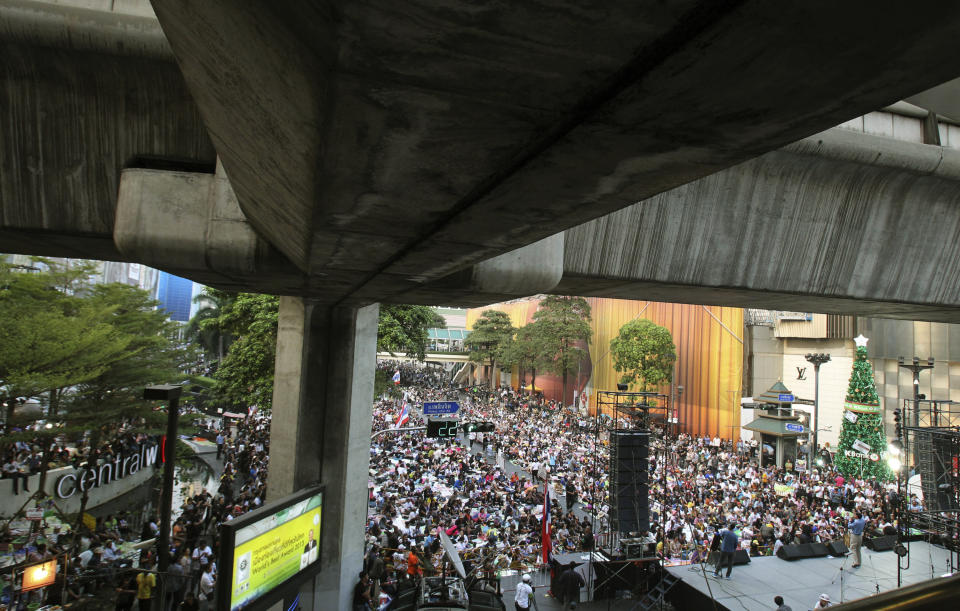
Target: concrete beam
{"points": [[73, 120], [190, 224], [381, 149], [841, 222], [119, 27], [533, 269]]}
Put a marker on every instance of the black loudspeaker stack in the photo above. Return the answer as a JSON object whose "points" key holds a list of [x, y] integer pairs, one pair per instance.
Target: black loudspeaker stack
{"points": [[740, 557], [881, 544], [790, 552], [629, 494], [818, 550], [813, 550]]}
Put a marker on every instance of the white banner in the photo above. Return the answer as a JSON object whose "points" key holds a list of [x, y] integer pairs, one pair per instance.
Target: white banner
{"points": [[860, 446], [851, 416]]}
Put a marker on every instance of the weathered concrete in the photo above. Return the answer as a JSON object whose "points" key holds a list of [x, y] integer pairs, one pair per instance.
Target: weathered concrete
{"points": [[72, 121], [839, 222], [323, 392], [381, 149], [390, 155], [190, 224]]}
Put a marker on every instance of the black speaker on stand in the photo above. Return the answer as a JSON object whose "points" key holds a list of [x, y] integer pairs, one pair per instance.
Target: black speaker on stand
{"points": [[629, 492]]}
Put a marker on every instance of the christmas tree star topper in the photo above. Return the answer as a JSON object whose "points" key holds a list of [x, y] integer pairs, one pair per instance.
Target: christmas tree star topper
{"points": [[861, 341]]}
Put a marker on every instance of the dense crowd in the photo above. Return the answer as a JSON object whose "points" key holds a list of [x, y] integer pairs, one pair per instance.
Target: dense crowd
{"points": [[698, 486], [242, 487], [34, 445]]}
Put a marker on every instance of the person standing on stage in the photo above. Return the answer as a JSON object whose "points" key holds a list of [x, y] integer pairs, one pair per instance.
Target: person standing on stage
{"points": [[728, 545], [856, 536]]}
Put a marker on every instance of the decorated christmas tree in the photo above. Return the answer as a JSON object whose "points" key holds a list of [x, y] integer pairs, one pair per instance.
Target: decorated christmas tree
{"points": [[863, 443]]}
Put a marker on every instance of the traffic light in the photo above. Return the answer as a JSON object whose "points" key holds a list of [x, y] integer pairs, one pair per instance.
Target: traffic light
{"points": [[479, 427], [897, 424]]}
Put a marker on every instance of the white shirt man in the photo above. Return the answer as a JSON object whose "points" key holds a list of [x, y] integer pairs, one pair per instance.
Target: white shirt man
{"points": [[206, 587], [524, 593]]}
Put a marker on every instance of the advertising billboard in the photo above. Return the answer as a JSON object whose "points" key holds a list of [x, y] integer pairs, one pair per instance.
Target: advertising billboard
{"points": [[267, 552]]}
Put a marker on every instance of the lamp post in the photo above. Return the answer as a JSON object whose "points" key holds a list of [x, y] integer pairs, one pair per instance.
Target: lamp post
{"points": [[915, 368], [171, 394], [817, 359]]}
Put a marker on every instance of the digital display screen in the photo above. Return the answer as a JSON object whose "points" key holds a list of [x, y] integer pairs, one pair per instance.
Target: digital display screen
{"points": [[271, 546], [442, 429]]}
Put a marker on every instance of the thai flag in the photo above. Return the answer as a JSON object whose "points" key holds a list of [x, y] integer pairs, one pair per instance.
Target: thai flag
{"points": [[404, 412], [396, 377], [546, 534]]}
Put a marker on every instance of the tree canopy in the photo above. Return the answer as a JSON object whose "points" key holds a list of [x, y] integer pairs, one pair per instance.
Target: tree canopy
{"points": [[643, 352], [404, 328], [94, 346], [526, 352], [245, 375], [205, 329], [490, 338], [151, 356], [563, 324]]}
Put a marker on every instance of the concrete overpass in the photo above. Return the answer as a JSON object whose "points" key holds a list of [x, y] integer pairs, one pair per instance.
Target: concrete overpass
{"points": [[439, 150], [421, 111]]}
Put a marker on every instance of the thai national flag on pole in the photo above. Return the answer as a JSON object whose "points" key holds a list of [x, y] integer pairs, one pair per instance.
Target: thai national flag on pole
{"points": [[396, 377], [546, 533], [404, 412]]}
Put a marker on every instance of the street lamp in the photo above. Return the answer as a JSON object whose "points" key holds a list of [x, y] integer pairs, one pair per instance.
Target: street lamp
{"points": [[171, 394], [915, 368], [817, 359]]}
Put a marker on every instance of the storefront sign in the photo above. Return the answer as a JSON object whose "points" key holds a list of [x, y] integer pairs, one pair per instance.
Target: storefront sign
{"points": [[99, 476]]}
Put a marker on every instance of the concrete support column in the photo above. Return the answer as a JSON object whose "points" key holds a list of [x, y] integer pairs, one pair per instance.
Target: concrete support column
{"points": [[322, 400]]}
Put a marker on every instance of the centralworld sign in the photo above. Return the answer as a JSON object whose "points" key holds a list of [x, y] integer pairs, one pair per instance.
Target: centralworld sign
{"points": [[101, 475]]}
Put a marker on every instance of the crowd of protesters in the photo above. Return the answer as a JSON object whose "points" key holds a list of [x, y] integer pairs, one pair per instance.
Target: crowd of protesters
{"points": [[25, 456], [699, 486], [485, 491]]}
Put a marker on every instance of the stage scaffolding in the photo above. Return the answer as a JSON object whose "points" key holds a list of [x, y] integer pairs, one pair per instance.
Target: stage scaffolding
{"points": [[628, 412], [932, 435]]}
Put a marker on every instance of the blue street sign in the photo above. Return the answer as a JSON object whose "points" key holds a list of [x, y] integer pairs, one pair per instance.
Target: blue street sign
{"points": [[793, 427], [785, 398], [440, 408]]}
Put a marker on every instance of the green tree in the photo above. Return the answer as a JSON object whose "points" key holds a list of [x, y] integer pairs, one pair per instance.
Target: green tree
{"points": [[245, 376], [206, 328], [52, 337], [405, 328], [643, 352], [490, 339], [862, 422], [526, 352], [564, 324], [151, 355]]}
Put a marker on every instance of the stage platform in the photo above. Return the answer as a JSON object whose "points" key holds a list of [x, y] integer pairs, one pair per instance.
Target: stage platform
{"points": [[800, 582]]}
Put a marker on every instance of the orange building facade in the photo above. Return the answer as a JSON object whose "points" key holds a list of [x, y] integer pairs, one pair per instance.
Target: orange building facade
{"points": [[709, 341]]}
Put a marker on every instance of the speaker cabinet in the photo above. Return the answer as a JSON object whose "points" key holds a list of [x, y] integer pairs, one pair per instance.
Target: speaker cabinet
{"points": [[629, 493]]}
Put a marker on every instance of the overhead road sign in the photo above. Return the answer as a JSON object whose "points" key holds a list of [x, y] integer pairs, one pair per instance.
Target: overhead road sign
{"points": [[440, 408]]}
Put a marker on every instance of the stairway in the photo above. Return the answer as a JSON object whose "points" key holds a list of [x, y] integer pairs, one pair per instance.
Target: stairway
{"points": [[652, 598]]}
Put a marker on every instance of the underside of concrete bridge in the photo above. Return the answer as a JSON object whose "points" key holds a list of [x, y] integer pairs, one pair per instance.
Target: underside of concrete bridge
{"points": [[378, 154]]}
